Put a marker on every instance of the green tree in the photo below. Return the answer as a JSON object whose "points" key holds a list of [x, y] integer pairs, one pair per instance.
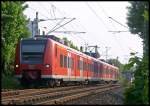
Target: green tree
{"points": [[13, 27], [138, 92], [71, 45], [138, 24], [116, 63]]}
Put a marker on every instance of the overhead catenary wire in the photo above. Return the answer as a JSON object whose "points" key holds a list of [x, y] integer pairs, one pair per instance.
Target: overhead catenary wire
{"points": [[44, 7], [114, 26], [69, 24], [57, 23], [53, 29], [99, 18], [118, 22], [76, 37], [60, 26], [96, 16], [110, 20], [102, 20], [38, 11]]}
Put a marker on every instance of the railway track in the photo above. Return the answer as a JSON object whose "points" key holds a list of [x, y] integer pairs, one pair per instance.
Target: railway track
{"points": [[54, 95]]}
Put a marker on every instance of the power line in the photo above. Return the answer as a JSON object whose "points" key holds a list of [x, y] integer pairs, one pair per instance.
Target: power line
{"points": [[120, 45], [56, 25], [93, 11], [51, 19], [61, 26], [55, 17], [59, 22], [45, 8], [118, 22], [99, 18], [103, 10], [70, 24], [38, 11]]}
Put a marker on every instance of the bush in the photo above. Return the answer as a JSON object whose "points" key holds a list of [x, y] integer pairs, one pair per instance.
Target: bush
{"points": [[124, 82], [10, 82], [138, 92]]}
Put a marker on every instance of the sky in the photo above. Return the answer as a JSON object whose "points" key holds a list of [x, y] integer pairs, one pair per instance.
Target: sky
{"points": [[92, 18]]}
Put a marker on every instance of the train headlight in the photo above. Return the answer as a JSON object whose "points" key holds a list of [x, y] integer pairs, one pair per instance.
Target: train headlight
{"points": [[17, 65], [47, 65]]}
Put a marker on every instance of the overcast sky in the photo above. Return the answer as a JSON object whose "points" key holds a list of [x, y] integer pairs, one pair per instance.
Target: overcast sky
{"points": [[92, 18]]}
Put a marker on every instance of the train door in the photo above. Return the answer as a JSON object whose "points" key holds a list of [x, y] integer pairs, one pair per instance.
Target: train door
{"points": [[69, 65]]}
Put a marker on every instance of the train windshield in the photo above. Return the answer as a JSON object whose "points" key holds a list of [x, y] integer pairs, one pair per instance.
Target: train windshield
{"points": [[32, 51]]}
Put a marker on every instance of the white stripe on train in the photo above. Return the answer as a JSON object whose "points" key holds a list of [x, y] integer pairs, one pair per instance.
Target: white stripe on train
{"points": [[71, 77]]}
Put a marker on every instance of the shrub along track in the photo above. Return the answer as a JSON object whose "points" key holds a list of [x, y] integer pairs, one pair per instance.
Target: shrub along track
{"points": [[55, 95]]}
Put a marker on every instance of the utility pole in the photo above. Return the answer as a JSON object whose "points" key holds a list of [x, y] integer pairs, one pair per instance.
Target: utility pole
{"points": [[35, 26], [36, 31], [107, 48], [86, 46], [117, 61]]}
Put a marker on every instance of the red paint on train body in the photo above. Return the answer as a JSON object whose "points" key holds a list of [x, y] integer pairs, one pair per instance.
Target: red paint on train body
{"points": [[58, 61]]}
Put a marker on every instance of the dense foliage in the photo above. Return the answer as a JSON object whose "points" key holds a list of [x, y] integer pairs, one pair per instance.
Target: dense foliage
{"points": [[13, 27], [138, 92], [117, 63], [71, 45], [138, 21]]}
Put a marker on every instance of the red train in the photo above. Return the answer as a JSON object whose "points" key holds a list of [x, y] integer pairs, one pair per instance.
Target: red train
{"points": [[44, 60]]}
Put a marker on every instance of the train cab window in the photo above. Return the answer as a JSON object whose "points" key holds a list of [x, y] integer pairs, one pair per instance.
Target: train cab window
{"points": [[32, 51], [61, 60], [65, 61]]}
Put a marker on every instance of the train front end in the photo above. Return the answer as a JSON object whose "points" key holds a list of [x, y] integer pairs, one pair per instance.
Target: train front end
{"points": [[31, 61]]}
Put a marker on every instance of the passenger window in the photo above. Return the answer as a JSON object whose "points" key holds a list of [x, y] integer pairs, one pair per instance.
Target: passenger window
{"points": [[81, 65], [61, 60], [78, 65], [56, 50], [65, 61], [72, 63]]}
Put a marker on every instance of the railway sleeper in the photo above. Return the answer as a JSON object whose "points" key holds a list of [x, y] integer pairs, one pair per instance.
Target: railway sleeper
{"points": [[72, 97]]}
